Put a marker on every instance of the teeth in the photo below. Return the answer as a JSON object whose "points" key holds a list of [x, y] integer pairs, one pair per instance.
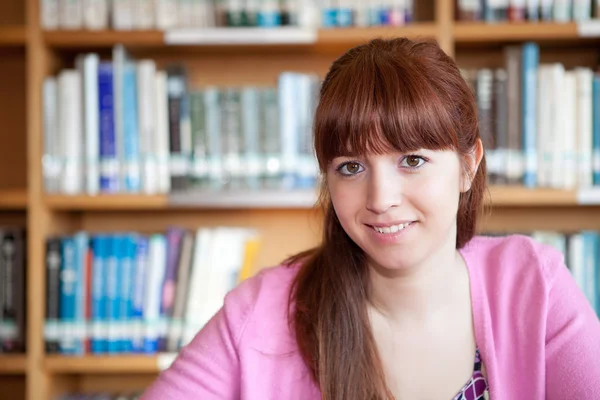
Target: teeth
{"points": [[392, 228]]}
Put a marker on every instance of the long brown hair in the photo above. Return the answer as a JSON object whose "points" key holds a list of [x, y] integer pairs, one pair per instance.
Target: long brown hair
{"points": [[388, 94]]}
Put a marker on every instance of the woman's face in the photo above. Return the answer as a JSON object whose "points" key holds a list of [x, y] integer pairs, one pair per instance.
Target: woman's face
{"points": [[399, 208]]}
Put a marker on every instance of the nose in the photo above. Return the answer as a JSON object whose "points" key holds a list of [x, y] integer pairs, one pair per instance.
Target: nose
{"points": [[384, 192]]}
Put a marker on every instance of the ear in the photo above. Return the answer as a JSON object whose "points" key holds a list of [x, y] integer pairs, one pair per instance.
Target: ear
{"points": [[471, 163]]}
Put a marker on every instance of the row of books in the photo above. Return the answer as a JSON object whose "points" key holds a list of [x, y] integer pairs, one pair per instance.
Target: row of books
{"points": [[169, 14], [582, 257], [12, 289], [100, 396], [530, 10], [540, 122], [133, 293], [123, 126]]}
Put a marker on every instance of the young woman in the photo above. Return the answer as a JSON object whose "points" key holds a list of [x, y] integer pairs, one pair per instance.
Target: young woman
{"points": [[400, 300]]}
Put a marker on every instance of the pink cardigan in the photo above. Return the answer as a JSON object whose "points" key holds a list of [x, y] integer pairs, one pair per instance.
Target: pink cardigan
{"points": [[538, 336]]}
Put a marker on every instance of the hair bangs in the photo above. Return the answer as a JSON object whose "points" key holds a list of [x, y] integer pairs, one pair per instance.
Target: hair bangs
{"points": [[378, 106]]}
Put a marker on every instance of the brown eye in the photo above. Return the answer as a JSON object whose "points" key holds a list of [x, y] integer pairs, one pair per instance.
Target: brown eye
{"points": [[353, 168], [413, 161], [350, 168]]}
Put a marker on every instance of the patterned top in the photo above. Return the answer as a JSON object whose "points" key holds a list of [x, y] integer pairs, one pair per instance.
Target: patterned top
{"points": [[477, 387]]}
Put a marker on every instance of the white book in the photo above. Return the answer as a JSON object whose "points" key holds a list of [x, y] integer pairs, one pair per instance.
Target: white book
{"points": [[49, 14], [544, 131], [557, 122], [185, 14], [166, 14], [197, 298], [533, 8], [70, 124], [161, 132], [122, 14], [95, 14], [576, 259], [582, 10], [228, 248], [119, 59], [583, 120], [289, 128], [143, 14], [569, 132], [146, 121], [71, 14], [562, 10], [92, 123], [51, 159], [157, 263]]}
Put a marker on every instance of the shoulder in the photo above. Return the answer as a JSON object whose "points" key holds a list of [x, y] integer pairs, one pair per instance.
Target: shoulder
{"points": [[513, 261], [512, 256], [259, 305]]}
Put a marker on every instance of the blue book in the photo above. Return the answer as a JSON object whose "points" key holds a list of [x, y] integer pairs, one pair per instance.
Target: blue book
{"points": [[68, 283], [112, 295], [101, 249], [596, 129], [590, 260], [126, 270], [81, 240], [531, 55], [139, 286], [109, 162], [131, 145]]}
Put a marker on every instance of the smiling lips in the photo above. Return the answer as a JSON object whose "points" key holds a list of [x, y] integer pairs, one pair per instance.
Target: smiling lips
{"points": [[385, 229]]}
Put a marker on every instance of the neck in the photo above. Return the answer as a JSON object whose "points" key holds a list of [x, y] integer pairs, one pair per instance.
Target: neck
{"points": [[419, 292]]}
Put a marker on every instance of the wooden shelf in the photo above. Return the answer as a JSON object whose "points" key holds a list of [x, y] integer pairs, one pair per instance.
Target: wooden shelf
{"points": [[481, 32], [501, 196], [507, 196], [223, 38], [355, 36], [270, 199], [108, 38], [106, 202], [90, 364], [13, 364], [13, 199], [13, 35]]}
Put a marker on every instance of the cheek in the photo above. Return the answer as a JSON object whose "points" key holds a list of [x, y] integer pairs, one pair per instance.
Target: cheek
{"points": [[347, 201], [440, 194]]}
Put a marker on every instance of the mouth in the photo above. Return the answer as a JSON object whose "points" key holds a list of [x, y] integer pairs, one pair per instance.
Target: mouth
{"points": [[391, 229]]}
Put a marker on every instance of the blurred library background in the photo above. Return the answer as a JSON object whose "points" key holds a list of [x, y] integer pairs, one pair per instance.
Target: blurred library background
{"points": [[158, 152]]}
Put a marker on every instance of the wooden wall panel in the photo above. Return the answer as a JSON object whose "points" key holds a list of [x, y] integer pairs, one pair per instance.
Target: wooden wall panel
{"points": [[13, 163]]}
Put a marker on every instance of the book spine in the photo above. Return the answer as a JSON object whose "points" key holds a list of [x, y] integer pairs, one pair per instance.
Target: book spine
{"points": [[68, 282], [596, 129], [126, 273], [81, 241], [100, 245], [112, 295], [530, 104], [53, 294], [109, 163], [152, 301], [139, 288], [131, 135], [95, 14], [174, 238], [49, 14], [51, 161], [92, 122]]}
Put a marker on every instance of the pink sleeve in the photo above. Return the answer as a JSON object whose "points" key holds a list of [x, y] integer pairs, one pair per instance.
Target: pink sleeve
{"points": [[208, 368], [572, 339]]}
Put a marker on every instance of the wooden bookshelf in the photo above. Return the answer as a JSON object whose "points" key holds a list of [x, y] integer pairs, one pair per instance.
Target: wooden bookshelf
{"points": [[481, 33], [13, 35], [93, 39], [323, 38], [13, 364], [498, 196], [106, 202], [287, 221], [133, 364], [13, 199]]}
